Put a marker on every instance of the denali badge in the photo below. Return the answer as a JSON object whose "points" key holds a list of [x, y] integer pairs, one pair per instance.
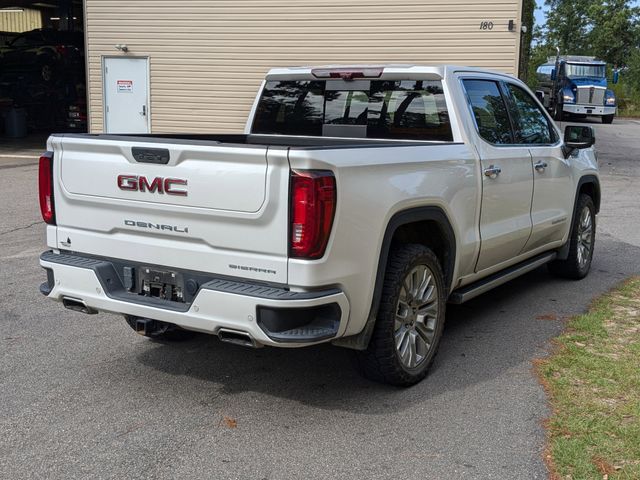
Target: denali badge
{"points": [[156, 226], [139, 183]]}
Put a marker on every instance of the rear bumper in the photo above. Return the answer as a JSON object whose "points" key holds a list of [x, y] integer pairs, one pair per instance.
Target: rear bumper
{"points": [[270, 315], [588, 109]]}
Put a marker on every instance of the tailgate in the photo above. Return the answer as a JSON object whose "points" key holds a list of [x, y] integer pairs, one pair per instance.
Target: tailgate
{"points": [[188, 204]]}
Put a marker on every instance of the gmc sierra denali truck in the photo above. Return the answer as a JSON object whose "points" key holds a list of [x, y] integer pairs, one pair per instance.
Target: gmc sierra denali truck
{"points": [[358, 203]]}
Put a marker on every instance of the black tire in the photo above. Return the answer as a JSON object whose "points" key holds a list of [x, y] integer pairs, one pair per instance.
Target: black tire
{"points": [[577, 265], [608, 119], [558, 114], [46, 71], [160, 330], [381, 360]]}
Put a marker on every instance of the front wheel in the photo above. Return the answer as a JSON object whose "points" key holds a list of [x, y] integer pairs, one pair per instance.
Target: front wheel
{"points": [[46, 70], [607, 119], [410, 318], [581, 243], [558, 114]]}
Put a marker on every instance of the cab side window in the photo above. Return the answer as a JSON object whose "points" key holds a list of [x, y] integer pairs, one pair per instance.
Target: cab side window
{"points": [[530, 123], [489, 110]]}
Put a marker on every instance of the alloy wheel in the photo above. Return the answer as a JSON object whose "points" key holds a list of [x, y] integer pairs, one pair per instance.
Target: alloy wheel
{"points": [[46, 73], [585, 237], [416, 317]]}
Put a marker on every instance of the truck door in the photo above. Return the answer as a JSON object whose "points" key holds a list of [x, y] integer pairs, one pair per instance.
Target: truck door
{"points": [[553, 191], [507, 176]]}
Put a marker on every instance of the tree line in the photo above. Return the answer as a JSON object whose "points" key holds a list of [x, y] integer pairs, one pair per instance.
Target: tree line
{"points": [[606, 29]]}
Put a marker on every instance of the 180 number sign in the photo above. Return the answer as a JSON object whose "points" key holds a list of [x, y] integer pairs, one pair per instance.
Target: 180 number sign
{"points": [[486, 25]]}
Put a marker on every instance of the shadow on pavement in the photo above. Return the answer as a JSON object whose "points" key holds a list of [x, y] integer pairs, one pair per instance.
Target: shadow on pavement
{"points": [[502, 330]]}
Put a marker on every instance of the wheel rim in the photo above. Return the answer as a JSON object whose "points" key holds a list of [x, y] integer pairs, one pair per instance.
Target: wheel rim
{"points": [[46, 73], [416, 316], [585, 237]]}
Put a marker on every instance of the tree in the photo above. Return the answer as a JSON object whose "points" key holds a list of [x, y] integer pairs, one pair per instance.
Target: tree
{"points": [[607, 29], [528, 20], [631, 76], [568, 25], [615, 34]]}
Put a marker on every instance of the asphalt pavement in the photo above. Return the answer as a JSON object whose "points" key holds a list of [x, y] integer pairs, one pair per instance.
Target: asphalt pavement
{"points": [[84, 397]]}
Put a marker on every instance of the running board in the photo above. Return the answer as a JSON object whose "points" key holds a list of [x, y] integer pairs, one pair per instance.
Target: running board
{"points": [[478, 288]]}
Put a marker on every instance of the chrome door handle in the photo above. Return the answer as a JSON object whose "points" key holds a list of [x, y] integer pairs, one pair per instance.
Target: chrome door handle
{"points": [[540, 166], [493, 171]]}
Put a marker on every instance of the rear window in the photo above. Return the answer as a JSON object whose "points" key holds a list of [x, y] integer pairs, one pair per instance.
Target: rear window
{"points": [[403, 110]]}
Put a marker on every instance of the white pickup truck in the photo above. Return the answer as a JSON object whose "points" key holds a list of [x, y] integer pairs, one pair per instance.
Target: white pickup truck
{"points": [[359, 201]]}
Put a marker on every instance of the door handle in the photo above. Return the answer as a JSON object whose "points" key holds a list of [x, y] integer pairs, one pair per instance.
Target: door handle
{"points": [[493, 171], [540, 166], [144, 111]]}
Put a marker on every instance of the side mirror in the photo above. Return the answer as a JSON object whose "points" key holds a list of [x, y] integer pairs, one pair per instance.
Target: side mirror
{"points": [[578, 136], [540, 95], [553, 74], [616, 76]]}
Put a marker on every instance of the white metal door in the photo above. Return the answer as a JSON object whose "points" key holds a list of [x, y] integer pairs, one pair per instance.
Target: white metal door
{"points": [[126, 94]]}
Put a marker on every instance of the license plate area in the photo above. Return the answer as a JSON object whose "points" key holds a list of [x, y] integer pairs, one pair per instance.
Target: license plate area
{"points": [[162, 284]]}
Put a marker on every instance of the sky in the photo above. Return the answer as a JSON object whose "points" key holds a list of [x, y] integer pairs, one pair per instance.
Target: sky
{"points": [[539, 13]]}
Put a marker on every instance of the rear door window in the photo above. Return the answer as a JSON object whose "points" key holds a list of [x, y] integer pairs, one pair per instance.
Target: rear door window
{"points": [[531, 125], [409, 110], [489, 111]]}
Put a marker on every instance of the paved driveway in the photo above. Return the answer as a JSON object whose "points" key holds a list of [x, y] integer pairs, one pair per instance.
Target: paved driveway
{"points": [[83, 396]]}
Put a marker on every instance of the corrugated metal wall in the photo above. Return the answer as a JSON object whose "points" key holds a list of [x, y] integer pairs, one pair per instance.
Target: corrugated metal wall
{"points": [[20, 21], [207, 58]]}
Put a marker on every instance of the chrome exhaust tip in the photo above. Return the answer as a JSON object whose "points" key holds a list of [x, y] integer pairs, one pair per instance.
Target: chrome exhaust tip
{"points": [[237, 337], [77, 305]]}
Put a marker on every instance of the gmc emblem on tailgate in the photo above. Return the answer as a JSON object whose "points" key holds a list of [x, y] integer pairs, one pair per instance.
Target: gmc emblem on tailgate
{"points": [[138, 183]]}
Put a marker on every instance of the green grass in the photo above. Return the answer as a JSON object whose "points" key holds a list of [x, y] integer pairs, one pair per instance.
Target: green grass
{"points": [[628, 100], [629, 113], [629, 110], [593, 381]]}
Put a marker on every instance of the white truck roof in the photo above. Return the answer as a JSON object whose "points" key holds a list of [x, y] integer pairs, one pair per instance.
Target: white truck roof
{"points": [[389, 71]]}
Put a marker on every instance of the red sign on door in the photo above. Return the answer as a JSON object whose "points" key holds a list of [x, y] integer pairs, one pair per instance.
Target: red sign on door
{"points": [[125, 86]]}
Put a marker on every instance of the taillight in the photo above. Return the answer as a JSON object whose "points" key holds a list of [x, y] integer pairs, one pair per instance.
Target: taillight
{"points": [[45, 183], [313, 204], [61, 49]]}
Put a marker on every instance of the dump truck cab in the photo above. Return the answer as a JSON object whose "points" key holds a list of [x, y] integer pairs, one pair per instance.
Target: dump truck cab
{"points": [[576, 85]]}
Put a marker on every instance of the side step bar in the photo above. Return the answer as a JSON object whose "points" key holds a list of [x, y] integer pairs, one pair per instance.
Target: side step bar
{"points": [[478, 288]]}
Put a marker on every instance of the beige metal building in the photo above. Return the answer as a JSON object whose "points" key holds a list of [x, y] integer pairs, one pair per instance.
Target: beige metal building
{"points": [[195, 65]]}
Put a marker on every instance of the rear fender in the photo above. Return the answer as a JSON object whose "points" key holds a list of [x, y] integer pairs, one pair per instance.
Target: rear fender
{"points": [[420, 214]]}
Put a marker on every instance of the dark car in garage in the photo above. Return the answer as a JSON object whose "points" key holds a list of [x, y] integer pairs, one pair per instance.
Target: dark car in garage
{"points": [[43, 73], [42, 55]]}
